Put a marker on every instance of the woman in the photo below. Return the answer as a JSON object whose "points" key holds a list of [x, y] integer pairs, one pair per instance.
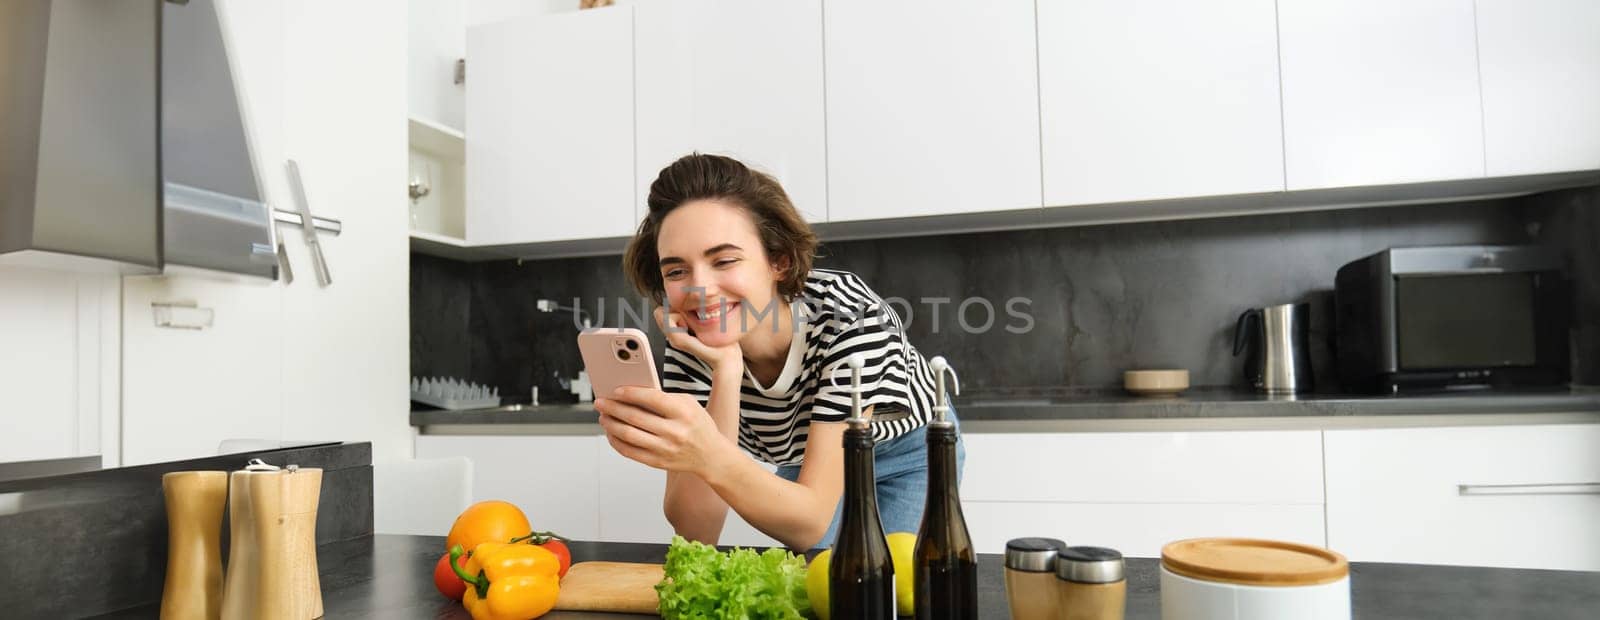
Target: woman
{"points": [[754, 364]]}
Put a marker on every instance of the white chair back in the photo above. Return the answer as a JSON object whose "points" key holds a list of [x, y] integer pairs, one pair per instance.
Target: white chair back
{"points": [[420, 496]]}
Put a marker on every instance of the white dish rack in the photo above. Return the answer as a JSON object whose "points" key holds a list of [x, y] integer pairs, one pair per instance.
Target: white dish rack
{"points": [[453, 394]]}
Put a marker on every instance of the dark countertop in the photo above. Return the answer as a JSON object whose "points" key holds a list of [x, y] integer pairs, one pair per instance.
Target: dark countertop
{"points": [[391, 577], [1053, 405], [1015, 404], [107, 530]]}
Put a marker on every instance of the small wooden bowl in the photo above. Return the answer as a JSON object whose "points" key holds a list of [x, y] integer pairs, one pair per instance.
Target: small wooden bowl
{"points": [[1162, 382]]}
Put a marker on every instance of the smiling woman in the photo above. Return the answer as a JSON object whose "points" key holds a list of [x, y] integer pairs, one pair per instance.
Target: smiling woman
{"points": [[756, 340]]}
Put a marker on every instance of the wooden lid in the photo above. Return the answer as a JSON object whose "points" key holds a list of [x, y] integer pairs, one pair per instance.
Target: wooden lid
{"points": [[1253, 562]]}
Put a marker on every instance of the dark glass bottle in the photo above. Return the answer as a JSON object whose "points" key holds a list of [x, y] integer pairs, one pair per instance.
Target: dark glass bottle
{"points": [[861, 572], [946, 578]]}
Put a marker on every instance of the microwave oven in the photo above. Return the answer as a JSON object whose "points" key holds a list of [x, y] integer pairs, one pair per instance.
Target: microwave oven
{"points": [[1423, 318]]}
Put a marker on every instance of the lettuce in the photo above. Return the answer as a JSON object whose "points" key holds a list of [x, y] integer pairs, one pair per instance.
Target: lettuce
{"points": [[702, 582]]}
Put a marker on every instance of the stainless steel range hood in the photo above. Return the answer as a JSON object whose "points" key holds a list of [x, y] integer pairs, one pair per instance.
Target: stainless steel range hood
{"points": [[216, 217], [80, 175], [123, 140]]}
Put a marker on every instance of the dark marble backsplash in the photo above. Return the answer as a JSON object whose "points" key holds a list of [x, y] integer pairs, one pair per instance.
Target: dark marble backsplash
{"points": [[1102, 299]]}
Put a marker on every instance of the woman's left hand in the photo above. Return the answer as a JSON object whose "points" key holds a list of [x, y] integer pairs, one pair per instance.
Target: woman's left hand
{"points": [[665, 431]]}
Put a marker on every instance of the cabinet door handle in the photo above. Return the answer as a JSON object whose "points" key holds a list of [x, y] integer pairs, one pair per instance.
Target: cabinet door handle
{"points": [[1573, 488]]}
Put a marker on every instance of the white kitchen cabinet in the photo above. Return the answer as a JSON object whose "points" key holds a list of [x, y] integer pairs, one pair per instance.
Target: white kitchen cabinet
{"points": [[550, 137], [1242, 467], [1379, 92], [436, 39], [631, 510], [550, 477], [735, 78], [1158, 99], [186, 390], [1475, 496], [1138, 491], [1138, 530], [575, 485], [630, 497], [346, 361], [1540, 65], [932, 108], [59, 372], [292, 361]]}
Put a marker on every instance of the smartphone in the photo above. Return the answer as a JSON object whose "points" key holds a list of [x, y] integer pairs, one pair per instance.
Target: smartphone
{"points": [[615, 357]]}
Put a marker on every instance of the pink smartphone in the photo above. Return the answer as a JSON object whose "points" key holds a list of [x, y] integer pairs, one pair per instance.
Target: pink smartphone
{"points": [[616, 357]]}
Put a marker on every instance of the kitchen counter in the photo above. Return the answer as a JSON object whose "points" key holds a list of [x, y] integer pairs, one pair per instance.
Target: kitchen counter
{"points": [[1070, 410], [391, 577], [106, 530]]}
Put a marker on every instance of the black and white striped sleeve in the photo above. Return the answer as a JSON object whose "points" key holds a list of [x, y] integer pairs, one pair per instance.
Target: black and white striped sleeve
{"points": [[872, 330], [683, 373]]}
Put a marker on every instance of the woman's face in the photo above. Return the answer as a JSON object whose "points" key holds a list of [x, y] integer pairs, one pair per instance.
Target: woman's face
{"points": [[715, 271]]}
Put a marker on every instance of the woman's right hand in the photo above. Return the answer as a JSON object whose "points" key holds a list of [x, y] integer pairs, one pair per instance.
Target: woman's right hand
{"points": [[675, 327]]}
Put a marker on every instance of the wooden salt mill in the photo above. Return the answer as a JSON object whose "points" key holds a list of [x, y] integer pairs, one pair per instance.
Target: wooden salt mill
{"points": [[272, 556], [193, 589]]}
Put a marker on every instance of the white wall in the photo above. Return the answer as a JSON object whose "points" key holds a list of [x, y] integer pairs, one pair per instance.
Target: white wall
{"points": [[489, 11], [59, 339]]}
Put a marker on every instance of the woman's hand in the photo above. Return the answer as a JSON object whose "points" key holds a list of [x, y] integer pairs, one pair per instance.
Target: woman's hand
{"points": [[673, 325], [665, 431]]}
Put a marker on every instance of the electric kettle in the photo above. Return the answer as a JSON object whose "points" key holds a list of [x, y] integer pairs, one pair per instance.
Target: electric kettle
{"points": [[1275, 341]]}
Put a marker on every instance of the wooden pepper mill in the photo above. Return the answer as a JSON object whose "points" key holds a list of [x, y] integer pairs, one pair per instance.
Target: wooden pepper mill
{"points": [[272, 557], [193, 589]]}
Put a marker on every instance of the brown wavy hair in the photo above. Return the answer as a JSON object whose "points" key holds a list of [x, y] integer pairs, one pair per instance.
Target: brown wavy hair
{"points": [[784, 233]]}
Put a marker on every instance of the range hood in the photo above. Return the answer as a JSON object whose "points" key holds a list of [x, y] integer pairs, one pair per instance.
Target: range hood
{"points": [[122, 145]]}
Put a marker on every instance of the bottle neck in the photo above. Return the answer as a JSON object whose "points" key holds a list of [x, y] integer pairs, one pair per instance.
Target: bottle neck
{"points": [[941, 461], [860, 480]]}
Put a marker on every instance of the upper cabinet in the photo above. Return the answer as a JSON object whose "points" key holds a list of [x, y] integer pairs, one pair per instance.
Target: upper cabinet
{"points": [[550, 136], [1540, 63], [1158, 99], [735, 78], [1379, 92], [932, 107], [880, 117]]}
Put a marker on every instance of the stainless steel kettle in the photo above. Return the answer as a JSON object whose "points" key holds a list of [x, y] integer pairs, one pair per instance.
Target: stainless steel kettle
{"points": [[1276, 342]]}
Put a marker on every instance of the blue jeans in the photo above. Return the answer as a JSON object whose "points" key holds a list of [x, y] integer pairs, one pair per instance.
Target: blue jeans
{"points": [[901, 468]]}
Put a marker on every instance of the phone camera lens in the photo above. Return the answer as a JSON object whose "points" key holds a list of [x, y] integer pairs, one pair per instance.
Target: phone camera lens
{"points": [[624, 355], [633, 345]]}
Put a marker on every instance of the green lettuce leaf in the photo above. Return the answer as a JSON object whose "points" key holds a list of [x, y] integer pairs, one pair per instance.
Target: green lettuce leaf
{"points": [[702, 582]]}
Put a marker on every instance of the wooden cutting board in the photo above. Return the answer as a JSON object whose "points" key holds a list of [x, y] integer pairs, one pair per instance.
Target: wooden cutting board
{"points": [[625, 587]]}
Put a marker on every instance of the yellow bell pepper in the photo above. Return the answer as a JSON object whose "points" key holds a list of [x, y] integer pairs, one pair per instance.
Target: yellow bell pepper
{"points": [[508, 581]]}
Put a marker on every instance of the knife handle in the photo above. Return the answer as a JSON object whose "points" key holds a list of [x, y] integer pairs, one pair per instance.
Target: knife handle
{"points": [[320, 265]]}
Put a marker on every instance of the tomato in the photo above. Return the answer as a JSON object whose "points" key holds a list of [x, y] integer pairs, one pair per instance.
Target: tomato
{"points": [[446, 580], [488, 521], [560, 549]]}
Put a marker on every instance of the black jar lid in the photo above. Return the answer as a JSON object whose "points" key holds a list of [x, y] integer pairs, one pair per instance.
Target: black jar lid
{"points": [[1034, 555], [1089, 565]]}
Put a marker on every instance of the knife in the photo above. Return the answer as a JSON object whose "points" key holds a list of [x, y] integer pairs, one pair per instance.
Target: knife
{"points": [[318, 263]]}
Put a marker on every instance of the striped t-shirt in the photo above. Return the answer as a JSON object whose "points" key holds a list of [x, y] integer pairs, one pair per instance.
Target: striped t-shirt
{"points": [[838, 316]]}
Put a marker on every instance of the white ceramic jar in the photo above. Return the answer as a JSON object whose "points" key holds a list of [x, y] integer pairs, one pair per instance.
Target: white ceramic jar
{"points": [[1248, 579]]}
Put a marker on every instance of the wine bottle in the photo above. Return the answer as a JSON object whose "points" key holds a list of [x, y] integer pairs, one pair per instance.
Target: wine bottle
{"points": [[945, 581], [861, 572]]}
